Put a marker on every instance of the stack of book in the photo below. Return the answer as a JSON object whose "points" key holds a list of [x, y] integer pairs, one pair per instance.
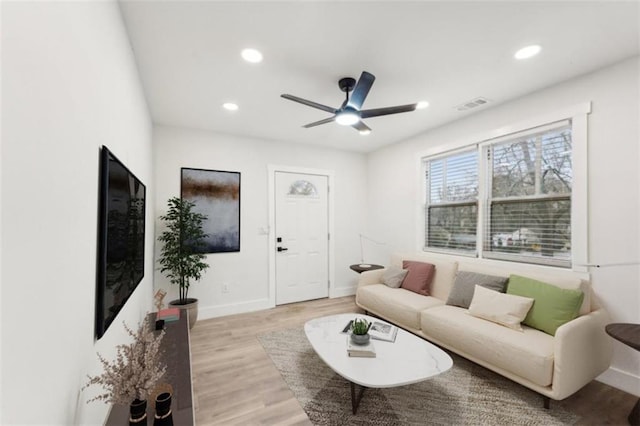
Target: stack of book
{"points": [[362, 351], [168, 315]]}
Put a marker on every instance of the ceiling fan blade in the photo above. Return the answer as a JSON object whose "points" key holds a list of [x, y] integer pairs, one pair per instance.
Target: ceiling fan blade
{"points": [[368, 113], [361, 90], [310, 103], [317, 123], [361, 127]]}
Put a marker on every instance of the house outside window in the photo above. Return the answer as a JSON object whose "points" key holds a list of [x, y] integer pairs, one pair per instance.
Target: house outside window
{"points": [[522, 189]]}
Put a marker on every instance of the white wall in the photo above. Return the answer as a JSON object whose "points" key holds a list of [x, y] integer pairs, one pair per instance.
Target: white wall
{"points": [[614, 187], [69, 85], [247, 272]]}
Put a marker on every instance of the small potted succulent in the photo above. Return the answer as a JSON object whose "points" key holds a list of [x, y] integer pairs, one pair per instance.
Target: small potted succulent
{"points": [[360, 331]]}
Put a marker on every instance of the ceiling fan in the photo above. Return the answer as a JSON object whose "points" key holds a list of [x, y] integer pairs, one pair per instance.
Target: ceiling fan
{"points": [[350, 112]]}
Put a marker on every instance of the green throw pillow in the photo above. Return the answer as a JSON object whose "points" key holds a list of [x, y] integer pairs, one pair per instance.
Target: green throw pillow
{"points": [[552, 306]]}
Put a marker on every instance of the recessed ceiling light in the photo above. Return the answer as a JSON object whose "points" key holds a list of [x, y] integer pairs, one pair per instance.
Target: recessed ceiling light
{"points": [[422, 105], [230, 106], [527, 52], [252, 55], [365, 132]]}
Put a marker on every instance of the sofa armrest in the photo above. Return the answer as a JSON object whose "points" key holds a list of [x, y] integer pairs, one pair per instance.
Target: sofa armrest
{"points": [[583, 350], [371, 277]]}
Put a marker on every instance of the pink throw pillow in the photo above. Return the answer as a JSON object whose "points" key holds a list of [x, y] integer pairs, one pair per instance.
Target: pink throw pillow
{"points": [[419, 277]]}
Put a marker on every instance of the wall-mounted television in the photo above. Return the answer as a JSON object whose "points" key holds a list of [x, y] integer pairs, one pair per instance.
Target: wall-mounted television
{"points": [[120, 238]]}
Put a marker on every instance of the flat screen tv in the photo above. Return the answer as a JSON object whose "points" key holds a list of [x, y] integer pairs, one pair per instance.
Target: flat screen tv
{"points": [[120, 238]]}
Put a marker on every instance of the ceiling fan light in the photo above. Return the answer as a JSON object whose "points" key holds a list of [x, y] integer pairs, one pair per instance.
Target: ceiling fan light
{"points": [[347, 118], [422, 105]]}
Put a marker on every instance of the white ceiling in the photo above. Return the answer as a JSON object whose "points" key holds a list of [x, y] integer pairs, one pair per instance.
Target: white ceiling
{"points": [[188, 54]]}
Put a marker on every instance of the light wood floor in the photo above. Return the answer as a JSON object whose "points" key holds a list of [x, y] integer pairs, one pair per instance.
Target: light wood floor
{"points": [[235, 382]]}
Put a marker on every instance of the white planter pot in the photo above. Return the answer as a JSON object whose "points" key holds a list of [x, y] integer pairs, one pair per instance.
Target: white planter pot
{"points": [[191, 308]]}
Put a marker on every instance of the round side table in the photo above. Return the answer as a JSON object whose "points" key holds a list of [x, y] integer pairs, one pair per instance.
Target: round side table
{"points": [[629, 334], [362, 267]]}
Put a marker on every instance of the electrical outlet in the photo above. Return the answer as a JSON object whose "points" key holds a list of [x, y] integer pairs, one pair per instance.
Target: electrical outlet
{"points": [[225, 288]]}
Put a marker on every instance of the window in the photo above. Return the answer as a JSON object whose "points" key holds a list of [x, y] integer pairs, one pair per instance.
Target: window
{"points": [[523, 190], [303, 188], [529, 197], [452, 202]]}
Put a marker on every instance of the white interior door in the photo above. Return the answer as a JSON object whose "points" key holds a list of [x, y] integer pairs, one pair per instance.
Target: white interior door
{"points": [[302, 237]]}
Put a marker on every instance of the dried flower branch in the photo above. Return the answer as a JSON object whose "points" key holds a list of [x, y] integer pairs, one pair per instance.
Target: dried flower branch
{"points": [[135, 371]]}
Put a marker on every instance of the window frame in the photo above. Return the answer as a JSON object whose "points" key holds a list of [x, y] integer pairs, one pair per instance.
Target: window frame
{"points": [[489, 200], [578, 116], [427, 204]]}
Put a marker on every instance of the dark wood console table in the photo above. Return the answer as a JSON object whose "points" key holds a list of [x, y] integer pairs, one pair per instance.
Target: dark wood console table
{"points": [[629, 334], [176, 353]]}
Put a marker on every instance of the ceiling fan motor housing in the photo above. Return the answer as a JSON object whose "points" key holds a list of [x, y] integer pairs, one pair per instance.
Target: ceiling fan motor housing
{"points": [[347, 84]]}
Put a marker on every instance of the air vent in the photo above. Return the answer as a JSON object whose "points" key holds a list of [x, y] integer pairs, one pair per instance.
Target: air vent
{"points": [[472, 104]]}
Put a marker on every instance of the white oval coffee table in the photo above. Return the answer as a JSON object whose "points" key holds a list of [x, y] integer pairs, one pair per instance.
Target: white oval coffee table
{"points": [[408, 360]]}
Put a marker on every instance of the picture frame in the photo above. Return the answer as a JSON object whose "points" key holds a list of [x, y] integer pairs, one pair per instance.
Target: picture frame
{"points": [[216, 194]]}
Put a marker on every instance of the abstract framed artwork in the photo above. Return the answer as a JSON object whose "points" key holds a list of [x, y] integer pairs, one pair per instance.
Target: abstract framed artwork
{"points": [[215, 194]]}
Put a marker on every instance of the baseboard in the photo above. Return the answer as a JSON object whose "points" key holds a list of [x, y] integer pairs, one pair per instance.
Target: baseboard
{"points": [[233, 308], [622, 380], [341, 292]]}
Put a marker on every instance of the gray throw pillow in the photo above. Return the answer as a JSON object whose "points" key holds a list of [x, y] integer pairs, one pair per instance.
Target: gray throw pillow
{"points": [[463, 287], [394, 276]]}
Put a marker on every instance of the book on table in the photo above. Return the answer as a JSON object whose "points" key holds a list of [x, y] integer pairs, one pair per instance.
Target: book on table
{"points": [[378, 331], [382, 331], [168, 315], [361, 351]]}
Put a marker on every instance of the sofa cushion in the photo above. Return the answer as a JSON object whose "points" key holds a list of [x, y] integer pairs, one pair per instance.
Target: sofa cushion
{"points": [[464, 286], [528, 354], [398, 305], [559, 277], [419, 276], [553, 306], [573, 283], [504, 309], [393, 276], [445, 271]]}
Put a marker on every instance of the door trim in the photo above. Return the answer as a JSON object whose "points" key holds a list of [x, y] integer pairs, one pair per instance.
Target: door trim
{"points": [[272, 169]]}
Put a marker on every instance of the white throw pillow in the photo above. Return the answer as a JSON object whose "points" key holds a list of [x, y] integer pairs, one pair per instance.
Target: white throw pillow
{"points": [[504, 309], [394, 276]]}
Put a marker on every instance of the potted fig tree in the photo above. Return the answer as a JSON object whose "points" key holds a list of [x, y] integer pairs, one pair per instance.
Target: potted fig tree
{"points": [[180, 260]]}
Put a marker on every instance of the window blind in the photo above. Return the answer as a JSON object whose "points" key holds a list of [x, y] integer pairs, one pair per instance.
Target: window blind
{"points": [[451, 209], [529, 198]]}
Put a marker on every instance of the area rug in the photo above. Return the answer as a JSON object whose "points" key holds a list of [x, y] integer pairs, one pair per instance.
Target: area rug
{"points": [[467, 394]]}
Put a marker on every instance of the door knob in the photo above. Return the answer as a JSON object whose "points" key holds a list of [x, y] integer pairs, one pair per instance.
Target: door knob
{"points": [[282, 249]]}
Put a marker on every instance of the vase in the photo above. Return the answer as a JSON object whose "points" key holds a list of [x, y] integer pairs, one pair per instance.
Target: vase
{"points": [[360, 339], [163, 415], [138, 412], [190, 307]]}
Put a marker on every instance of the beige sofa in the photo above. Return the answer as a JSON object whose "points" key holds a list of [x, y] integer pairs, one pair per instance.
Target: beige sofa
{"points": [[554, 366]]}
